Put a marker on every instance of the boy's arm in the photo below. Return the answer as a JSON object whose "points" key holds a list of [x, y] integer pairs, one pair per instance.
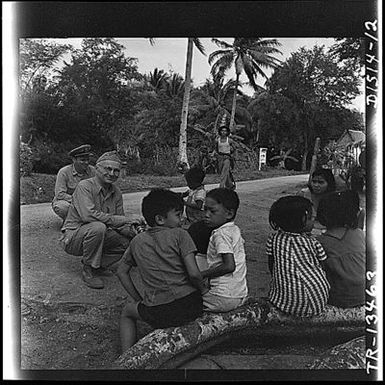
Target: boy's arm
{"points": [[223, 244], [123, 274], [194, 274], [226, 266]]}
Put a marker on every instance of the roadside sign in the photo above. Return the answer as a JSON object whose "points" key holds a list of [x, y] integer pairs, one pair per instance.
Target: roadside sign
{"points": [[262, 156]]}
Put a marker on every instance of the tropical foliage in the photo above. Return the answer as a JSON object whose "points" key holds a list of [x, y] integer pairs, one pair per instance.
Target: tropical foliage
{"points": [[249, 55], [98, 96]]}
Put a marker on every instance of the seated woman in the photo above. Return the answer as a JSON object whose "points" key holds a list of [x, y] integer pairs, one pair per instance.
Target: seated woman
{"points": [[322, 182], [344, 244]]}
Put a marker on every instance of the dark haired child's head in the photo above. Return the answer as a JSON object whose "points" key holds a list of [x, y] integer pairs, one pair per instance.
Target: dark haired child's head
{"points": [[291, 213], [339, 209], [194, 177], [221, 206], [322, 181], [224, 131], [161, 207]]}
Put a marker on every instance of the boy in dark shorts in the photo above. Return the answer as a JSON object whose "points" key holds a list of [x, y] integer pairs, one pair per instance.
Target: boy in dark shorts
{"points": [[165, 257]]}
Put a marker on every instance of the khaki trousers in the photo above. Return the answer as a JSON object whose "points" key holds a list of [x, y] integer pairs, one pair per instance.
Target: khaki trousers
{"points": [[99, 245]]}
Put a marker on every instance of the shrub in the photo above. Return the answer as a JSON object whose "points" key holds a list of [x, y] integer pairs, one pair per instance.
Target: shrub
{"points": [[49, 157], [134, 166], [26, 159]]}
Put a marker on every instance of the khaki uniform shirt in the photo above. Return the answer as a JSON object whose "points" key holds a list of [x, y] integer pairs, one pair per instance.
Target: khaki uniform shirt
{"points": [[67, 179], [91, 204]]}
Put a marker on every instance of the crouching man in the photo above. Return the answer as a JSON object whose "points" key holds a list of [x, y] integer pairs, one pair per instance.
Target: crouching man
{"points": [[69, 176], [96, 227]]}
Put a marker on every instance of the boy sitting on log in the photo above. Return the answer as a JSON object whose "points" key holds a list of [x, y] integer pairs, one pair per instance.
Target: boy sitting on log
{"points": [[165, 257]]}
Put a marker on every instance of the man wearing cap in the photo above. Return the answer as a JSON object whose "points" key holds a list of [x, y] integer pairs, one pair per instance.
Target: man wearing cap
{"points": [[68, 178], [96, 227]]}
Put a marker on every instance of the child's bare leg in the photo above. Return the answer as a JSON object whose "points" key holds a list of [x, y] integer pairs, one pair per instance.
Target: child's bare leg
{"points": [[128, 325]]}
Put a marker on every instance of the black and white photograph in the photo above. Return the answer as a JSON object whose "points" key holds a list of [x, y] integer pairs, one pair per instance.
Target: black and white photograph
{"points": [[223, 157]]}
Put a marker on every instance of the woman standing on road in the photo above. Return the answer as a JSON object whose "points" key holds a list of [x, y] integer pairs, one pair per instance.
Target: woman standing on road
{"points": [[225, 149]]}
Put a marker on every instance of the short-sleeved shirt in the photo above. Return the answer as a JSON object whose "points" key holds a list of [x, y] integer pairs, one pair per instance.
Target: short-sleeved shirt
{"points": [[90, 203], [345, 266], [67, 179], [298, 286], [159, 255], [223, 240], [194, 214]]}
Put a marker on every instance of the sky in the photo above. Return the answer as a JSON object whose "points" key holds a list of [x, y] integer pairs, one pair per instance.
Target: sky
{"points": [[169, 54]]}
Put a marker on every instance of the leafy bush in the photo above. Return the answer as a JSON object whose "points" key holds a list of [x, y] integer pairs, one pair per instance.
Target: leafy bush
{"points": [[49, 156], [134, 166], [26, 159]]}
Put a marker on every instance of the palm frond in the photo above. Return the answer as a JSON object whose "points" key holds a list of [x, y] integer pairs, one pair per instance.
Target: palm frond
{"points": [[262, 58], [222, 44], [265, 42], [197, 127], [219, 53], [222, 64], [250, 70], [199, 45]]}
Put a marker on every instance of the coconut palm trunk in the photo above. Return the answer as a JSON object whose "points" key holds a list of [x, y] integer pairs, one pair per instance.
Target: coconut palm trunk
{"points": [[182, 156], [234, 105]]}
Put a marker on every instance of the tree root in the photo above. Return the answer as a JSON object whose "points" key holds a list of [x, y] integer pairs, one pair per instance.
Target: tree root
{"points": [[168, 348]]}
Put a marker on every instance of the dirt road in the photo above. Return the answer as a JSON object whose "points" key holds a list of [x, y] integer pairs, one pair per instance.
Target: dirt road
{"points": [[49, 274], [70, 326]]}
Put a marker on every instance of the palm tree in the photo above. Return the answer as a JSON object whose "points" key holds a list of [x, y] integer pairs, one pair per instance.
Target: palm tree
{"points": [[157, 79], [174, 86], [217, 98], [283, 156], [183, 161], [250, 55]]}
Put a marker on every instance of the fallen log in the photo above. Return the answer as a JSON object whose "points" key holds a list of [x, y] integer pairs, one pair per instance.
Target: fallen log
{"points": [[350, 355], [168, 348]]}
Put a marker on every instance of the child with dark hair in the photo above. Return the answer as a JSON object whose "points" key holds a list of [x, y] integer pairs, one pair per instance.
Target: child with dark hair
{"points": [[298, 286], [196, 194], [165, 257], [344, 244], [322, 182], [226, 258]]}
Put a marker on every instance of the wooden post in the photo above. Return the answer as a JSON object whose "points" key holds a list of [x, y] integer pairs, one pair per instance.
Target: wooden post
{"points": [[314, 157]]}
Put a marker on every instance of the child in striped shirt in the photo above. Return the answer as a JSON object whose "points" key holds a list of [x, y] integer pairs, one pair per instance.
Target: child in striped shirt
{"points": [[298, 286]]}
